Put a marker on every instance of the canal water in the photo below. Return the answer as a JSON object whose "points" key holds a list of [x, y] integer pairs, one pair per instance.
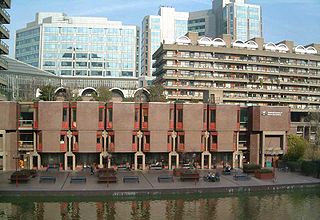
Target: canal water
{"points": [[271, 206]]}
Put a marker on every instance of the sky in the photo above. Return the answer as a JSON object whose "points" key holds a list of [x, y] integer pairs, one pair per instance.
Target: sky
{"points": [[297, 20]]}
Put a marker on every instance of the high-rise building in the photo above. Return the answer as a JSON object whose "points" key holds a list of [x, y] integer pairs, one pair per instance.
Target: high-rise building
{"points": [[203, 22], [4, 34], [243, 21], [166, 26], [79, 46]]}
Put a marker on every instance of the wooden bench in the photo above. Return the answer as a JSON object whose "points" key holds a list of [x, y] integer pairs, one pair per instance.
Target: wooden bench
{"points": [[107, 179], [241, 176], [165, 178], [79, 179], [190, 175], [131, 179], [47, 179]]}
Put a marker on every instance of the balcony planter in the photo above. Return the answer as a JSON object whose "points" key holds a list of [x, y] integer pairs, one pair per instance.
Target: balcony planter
{"points": [[263, 174]]}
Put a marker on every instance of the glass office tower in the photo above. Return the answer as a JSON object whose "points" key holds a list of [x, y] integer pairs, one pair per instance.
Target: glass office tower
{"points": [[79, 46], [243, 21], [166, 26]]}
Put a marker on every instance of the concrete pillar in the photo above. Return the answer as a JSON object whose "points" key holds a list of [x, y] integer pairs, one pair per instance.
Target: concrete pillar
{"points": [[262, 145], [203, 154], [69, 153], [174, 153], [139, 154]]}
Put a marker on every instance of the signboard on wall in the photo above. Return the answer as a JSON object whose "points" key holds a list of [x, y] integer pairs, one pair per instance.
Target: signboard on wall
{"points": [[271, 113]]}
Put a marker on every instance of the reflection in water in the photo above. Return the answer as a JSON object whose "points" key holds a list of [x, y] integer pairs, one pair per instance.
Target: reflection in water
{"points": [[298, 205]]}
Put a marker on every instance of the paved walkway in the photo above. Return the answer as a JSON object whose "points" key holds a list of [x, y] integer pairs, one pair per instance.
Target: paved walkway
{"points": [[148, 183]]}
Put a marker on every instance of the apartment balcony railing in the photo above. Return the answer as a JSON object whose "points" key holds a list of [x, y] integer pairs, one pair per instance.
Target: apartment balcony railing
{"points": [[4, 32], [3, 63], [25, 123], [4, 16], [4, 48], [5, 3], [25, 145]]}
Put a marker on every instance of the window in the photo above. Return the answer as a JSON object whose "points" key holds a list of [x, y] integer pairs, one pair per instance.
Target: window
{"points": [[110, 114], [136, 115], [180, 115], [98, 140], [66, 63], [62, 139], [67, 55], [204, 115], [133, 139], [213, 116], [181, 139], [100, 114], [81, 55], [64, 114], [145, 115], [147, 139], [74, 115]]}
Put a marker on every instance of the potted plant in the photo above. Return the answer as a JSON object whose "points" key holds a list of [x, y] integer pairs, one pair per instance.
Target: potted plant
{"points": [[250, 168]]}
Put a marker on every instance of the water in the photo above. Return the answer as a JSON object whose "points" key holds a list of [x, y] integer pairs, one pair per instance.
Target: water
{"points": [[291, 205]]}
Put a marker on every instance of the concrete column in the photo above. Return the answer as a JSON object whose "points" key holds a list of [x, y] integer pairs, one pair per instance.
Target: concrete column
{"points": [[262, 145], [170, 159], [174, 135], [240, 159], [69, 153], [203, 154], [104, 152], [139, 135], [136, 155]]}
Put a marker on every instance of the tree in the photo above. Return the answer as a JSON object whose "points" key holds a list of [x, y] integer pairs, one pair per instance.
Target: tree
{"points": [[103, 95], [47, 93], [296, 147], [313, 151], [157, 93]]}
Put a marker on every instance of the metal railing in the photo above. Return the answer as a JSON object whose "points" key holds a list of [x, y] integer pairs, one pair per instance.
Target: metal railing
{"points": [[5, 13], [4, 64], [5, 29], [25, 123]]}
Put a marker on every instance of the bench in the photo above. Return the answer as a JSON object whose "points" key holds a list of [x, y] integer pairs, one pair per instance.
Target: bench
{"points": [[107, 178], [241, 177], [24, 179], [79, 179], [190, 175], [165, 178], [131, 179], [155, 167], [47, 179]]}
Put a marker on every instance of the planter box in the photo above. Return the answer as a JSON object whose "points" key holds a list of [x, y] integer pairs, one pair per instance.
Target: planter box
{"points": [[263, 176], [178, 171]]}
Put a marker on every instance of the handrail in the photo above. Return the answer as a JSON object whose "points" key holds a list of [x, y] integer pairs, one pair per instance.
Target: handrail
{"points": [[6, 13]]}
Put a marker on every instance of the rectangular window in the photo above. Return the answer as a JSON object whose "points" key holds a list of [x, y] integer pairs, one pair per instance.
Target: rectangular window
{"points": [[133, 139], [110, 114], [61, 138], [204, 115], [98, 140], [181, 137], [213, 116], [147, 139], [100, 114], [136, 115], [180, 115], [64, 114], [145, 115], [74, 115]]}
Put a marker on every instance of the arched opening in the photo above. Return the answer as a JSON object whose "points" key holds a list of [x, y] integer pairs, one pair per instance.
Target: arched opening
{"points": [[251, 44], [218, 42], [311, 50], [183, 40], [117, 94], [239, 43], [87, 92], [206, 41], [61, 94], [270, 46], [300, 49], [282, 48], [141, 95]]}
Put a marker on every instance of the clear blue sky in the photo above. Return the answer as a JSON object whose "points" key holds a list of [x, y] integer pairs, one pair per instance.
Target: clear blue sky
{"points": [[297, 20]]}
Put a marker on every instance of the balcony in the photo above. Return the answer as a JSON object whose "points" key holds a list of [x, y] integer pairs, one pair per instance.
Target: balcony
{"points": [[4, 16], [3, 65], [4, 48], [25, 124], [4, 32], [25, 146], [5, 3]]}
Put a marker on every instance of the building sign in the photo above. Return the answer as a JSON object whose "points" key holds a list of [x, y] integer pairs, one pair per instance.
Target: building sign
{"points": [[267, 113]]}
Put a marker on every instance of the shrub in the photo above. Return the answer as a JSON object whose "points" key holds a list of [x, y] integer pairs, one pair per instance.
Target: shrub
{"points": [[294, 165], [250, 168], [311, 168], [264, 171]]}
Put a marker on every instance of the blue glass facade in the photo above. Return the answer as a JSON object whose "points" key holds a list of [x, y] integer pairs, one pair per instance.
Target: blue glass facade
{"points": [[75, 50]]}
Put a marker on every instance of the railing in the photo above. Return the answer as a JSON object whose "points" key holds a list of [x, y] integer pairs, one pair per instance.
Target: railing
{"points": [[25, 145], [25, 123], [4, 28], [4, 65], [3, 44], [5, 13]]}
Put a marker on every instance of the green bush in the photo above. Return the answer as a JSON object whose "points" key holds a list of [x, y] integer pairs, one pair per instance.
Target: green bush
{"points": [[250, 168], [311, 168], [294, 165], [264, 171]]}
